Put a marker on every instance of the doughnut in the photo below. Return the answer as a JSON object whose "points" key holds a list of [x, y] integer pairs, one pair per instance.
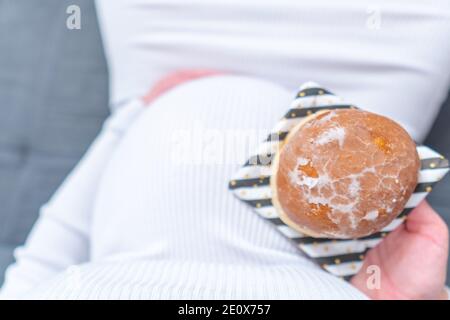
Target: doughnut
{"points": [[343, 174]]}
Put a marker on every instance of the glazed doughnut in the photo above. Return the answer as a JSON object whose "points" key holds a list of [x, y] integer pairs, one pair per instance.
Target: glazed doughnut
{"points": [[344, 174]]}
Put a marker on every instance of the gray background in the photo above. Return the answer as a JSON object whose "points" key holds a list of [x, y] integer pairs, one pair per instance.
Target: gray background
{"points": [[53, 99]]}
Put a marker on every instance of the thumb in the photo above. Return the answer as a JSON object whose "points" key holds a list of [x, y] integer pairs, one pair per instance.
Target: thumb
{"points": [[424, 221]]}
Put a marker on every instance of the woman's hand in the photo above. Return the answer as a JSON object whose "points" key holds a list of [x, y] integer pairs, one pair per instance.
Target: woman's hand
{"points": [[174, 79], [412, 259]]}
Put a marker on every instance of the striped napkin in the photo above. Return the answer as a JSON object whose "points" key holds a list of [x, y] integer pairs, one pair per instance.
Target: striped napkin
{"points": [[251, 184]]}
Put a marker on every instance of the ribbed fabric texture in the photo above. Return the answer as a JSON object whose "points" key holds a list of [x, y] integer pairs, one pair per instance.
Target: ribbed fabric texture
{"points": [[193, 280], [164, 225]]}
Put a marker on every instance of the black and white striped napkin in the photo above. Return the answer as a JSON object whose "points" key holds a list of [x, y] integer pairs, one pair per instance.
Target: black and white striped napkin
{"points": [[251, 184]]}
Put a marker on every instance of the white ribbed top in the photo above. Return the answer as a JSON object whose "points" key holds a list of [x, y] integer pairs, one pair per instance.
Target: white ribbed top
{"points": [[163, 223], [390, 57]]}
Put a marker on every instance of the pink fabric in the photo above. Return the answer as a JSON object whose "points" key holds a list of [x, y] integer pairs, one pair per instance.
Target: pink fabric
{"points": [[174, 79]]}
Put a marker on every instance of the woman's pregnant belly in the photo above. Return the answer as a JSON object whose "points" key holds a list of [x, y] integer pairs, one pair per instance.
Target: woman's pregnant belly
{"points": [[164, 210], [164, 224], [164, 192]]}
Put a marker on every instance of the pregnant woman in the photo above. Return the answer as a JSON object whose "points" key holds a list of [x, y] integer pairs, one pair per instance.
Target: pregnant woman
{"points": [[147, 214]]}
